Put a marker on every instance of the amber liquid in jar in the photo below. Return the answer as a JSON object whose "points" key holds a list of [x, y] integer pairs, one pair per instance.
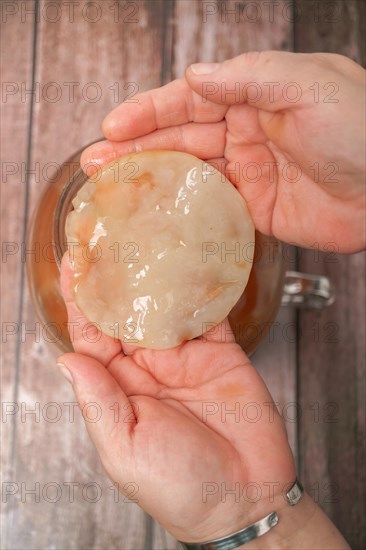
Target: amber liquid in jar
{"points": [[250, 318]]}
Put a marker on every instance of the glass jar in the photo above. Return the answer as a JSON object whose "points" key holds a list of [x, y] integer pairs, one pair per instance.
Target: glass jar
{"points": [[250, 318]]}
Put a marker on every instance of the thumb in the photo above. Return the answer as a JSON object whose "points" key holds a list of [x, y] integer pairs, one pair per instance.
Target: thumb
{"points": [[268, 80], [108, 413]]}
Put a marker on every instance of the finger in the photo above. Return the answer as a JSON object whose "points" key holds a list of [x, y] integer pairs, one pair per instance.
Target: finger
{"points": [[218, 333], [202, 140], [268, 80], [134, 374], [104, 406], [171, 105], [85, 337], [213, 333], [219, 163]]}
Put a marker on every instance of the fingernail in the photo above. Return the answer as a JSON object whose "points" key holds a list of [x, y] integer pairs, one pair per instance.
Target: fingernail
{"points": [[65, 372], [204, 68]]}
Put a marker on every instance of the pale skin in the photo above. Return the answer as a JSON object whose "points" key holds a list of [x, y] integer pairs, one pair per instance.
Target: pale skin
{"points": [[323, 134], [170, 434]]}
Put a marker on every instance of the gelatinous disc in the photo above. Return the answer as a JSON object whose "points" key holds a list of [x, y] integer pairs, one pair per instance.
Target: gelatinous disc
{"points": [[162, 246]]}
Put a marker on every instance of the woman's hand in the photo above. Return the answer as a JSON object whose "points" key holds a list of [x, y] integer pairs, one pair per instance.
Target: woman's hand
{"points": [[194, 427], [287, 129], [192, 434]]}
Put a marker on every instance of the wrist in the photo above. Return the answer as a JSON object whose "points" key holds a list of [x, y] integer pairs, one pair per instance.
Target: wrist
{"points": [[292, 521], [244, 518], [302, 526]]}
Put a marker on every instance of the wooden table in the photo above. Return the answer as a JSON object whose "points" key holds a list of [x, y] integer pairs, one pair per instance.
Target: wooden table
{"points": [[82, 59]]}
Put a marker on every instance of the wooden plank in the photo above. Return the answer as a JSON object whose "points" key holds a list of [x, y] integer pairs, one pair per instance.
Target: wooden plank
{"points": [[336, 26], [16, 54], [332, 396], [88, 58], [215, 31], [332, 343]]}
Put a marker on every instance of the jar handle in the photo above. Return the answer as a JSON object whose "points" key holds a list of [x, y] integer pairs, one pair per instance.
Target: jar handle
{"points": [[307, 291]]}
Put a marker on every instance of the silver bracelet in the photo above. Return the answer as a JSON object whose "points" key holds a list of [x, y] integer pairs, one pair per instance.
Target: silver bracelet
{"points": [[236, 539], [295, 493], [257, 529]]}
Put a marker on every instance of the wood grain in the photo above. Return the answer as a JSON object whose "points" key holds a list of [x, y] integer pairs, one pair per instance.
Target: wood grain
{"points": [[16, 60], [336, 26], [332, 396], [133, 47], [215, 31], [331, 375]]}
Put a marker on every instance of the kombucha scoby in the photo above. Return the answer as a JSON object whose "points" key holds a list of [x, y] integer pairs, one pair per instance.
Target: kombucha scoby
{"points": [[161, 245]]}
